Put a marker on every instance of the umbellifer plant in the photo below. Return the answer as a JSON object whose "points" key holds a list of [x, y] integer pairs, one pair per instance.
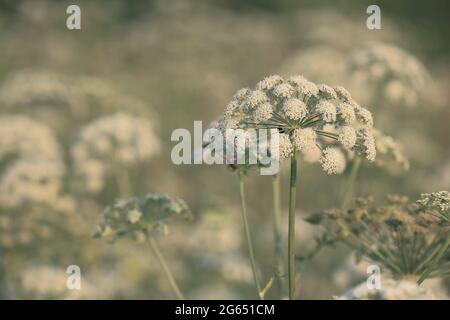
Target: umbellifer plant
{"points": [[408, 239], [308, 117], [142, 219]]}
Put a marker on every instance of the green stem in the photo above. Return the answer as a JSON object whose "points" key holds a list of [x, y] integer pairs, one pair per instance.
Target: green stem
{"points": [[247, 233], [165, 267], [291, 237], [278, 240], [351, 182]]}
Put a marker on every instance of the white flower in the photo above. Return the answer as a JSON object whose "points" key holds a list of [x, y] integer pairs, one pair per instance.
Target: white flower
{"points": [[269, 82], [347, 137], [134, 216], [366, 143], [231, 108], [342, 93], [263, 112], [295, 109], [31, 181], [283, 91], [241, 94], [26, 138], [400, 78], [326, 91], [328, 111], [255, 98], [285, 146], [116, 140], [297, 80], [346, 112], [304, 139], [332, 161], [363, 115]]}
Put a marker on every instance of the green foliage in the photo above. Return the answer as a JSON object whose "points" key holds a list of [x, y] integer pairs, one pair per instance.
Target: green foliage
{"points": [[136, 217], [405, 237]]}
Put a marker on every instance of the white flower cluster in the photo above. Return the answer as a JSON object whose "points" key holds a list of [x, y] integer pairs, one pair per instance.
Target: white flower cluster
{"points": [[390, 153], [120, 139], [31, 88], [26, 181], [396, 290], [400, 77], [439, 199], [25, 138], [64, 103], [34, 166], [308, 117]]}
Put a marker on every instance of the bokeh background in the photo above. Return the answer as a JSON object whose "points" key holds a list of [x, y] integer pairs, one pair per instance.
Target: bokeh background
{"points": [[158, 65]]}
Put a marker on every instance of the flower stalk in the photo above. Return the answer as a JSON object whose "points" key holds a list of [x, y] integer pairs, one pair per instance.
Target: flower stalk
{"points": [[278, 240], [248, 234], [350, 185], [165, 267], [291, 236]]}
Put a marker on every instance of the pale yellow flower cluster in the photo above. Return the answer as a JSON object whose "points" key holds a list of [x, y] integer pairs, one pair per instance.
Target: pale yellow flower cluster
{"points": [[30, 88], [309, 118], [399, 77], [120, 140], [33, 168]]}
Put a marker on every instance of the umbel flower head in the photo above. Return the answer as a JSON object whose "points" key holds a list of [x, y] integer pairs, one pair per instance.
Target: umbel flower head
{"points": [[404, 237], [24, 138], [32, 182], [31, 88], [437, 204], [307, 116], [397, 76], [120, 139], [136, 217], [390, 153], [32, 168]]}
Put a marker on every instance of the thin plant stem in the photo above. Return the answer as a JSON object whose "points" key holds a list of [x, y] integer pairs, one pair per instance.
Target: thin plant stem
{"points": [[291, 236], [350, 185], [165, 267], [247, 233], [278, 240]]}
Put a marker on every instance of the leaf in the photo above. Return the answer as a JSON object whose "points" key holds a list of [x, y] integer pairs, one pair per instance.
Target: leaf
{"points": [[315, 218]]}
